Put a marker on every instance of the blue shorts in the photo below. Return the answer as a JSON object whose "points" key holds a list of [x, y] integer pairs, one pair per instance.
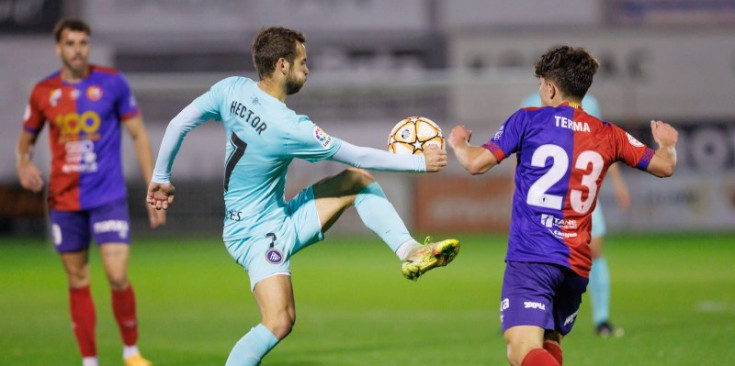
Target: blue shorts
{"points": [[598, 221], [540, 294], [71, 231], [270, 254]]}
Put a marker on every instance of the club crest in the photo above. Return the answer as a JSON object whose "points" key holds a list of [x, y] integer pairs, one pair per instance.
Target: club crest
{"points": [[274, 256]]}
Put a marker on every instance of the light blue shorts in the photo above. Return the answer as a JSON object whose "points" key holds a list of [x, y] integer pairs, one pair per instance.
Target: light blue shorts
{"points": [[598, 221], [269, 254]]}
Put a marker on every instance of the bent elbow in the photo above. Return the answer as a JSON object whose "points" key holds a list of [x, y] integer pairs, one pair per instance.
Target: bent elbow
{"points": [[666, 171]]}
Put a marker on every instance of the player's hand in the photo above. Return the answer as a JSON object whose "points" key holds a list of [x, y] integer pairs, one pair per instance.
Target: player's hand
{"points": [[29, 176], [156, 217], [435, 157], [459, 136], [160, 196], [664, 134]]}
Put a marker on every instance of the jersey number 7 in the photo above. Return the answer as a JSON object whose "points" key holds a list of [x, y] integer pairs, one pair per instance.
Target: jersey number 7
{"points": [[234, 157]]}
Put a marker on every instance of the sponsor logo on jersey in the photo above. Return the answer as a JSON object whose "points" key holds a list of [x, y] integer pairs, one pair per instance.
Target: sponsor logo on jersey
{"points": [[119, 226], [564, 122], [633, 141], [534, 305], [94, 93], [75, 94], [274, 256], [54, 97], [27, 112], [553, 221], [321, 137]]}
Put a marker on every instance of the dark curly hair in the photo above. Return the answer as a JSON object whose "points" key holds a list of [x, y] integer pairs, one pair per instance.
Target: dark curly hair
{"points": [[273, 43], [570, 68]]}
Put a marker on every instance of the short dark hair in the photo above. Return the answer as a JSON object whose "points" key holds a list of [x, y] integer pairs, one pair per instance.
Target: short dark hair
{"points": [[71, 24], [271, 44], [570, 68]]}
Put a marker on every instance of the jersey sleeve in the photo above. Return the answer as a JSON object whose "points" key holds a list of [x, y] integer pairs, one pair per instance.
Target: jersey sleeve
{"points": [[126, 106], [33, 119], [210, 102], [508, 138], [631, 151], [309, 142]]}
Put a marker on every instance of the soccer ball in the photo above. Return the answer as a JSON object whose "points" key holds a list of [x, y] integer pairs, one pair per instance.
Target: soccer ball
{"points": [[412, 134]]}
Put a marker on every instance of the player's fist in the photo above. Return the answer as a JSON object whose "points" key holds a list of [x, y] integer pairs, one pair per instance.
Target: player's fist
{"points": [[435, 157], [160, 195], [664, 134], [459, 136]]}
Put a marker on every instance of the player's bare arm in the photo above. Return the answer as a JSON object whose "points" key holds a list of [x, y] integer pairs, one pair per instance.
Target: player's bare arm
{"points": [[475, 159], [142, 146], [663, 162], [28, 173]]}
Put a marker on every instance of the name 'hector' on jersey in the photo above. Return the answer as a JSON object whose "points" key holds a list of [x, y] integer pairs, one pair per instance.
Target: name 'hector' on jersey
{"points": [[565, 122], [253, 119]]}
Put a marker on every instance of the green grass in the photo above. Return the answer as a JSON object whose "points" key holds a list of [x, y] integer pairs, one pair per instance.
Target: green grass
{"points": [[674, 295]]}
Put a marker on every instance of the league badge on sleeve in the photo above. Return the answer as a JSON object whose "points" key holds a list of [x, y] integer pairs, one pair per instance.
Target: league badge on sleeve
{"points": [[321, 137]]}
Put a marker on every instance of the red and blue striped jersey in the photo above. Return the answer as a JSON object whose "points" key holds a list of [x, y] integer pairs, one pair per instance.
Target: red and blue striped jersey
{"points": [[563, 155], [84, 135]]}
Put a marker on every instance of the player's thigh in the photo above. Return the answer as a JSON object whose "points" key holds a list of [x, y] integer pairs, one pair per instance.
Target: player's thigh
{"points": [[274, 296], [76, 265], [115, 262], [334, 194]]}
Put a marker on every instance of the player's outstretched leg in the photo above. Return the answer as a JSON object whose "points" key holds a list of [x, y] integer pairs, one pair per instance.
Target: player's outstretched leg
{"points": [[428, 256], [357, 187]]}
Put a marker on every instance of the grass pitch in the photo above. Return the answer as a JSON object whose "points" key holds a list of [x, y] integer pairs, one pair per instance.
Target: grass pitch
{"points": [[674, 294]]}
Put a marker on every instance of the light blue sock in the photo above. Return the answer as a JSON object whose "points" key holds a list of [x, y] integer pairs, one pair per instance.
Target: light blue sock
{"points": [[381, 217], [600, 290], [252, 347]]}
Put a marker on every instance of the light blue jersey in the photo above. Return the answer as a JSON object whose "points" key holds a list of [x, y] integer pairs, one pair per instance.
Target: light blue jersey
{"points": [[263, 137]]}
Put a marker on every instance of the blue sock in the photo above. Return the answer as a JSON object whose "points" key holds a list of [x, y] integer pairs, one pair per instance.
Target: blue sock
{"points": [[600, 290], [381, 217], [252, 347]]}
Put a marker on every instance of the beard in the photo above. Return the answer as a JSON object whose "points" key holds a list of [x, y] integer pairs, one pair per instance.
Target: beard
{"points": [[293, 85], [78, 68]]}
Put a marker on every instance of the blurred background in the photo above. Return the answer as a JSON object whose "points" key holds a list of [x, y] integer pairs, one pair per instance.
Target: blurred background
{"points": [[374, 62]]}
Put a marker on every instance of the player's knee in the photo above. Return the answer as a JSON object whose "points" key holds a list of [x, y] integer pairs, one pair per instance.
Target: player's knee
{"points": [[118, 281], [281, 326], [78, 277], [357, 179]]}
